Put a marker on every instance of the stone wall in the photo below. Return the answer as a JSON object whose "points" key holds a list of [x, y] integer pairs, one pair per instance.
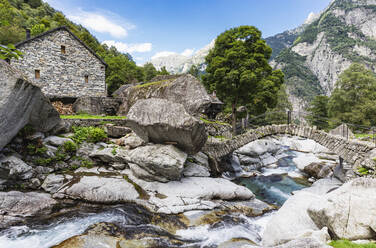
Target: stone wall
{"points": [[97, 105], [94, 122], [354, 152], [62, 75]]}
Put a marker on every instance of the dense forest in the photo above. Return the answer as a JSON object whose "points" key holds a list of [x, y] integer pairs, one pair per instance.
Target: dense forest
{"points": [[17, 15]]}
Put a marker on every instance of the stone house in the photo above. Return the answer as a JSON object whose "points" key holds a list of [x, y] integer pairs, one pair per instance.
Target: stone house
{"points": [[62, 65]]}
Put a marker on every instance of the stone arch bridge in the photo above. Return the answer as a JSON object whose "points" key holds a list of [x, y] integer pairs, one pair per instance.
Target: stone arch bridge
{"points": [[354, 152]]}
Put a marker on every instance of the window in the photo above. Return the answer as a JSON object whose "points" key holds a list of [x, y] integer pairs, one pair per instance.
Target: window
{"points": [[86, 79], [37, 74], [62, 49]]}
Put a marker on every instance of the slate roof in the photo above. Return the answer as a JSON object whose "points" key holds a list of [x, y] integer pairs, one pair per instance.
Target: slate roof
{"points": [[57, 29]]}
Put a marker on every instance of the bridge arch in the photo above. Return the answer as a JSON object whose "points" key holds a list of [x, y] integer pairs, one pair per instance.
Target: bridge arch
{"points": [[354, 152]]}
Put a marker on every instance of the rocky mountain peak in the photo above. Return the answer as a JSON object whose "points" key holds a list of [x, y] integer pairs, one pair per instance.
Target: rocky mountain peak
{"points": [[340, 35]]}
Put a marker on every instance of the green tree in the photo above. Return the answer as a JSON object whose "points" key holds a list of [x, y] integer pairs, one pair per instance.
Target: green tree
{"points": [[318, 112], [194, 71], [163, 71], [278, 114], [38, 29], [239, 72], [353, 100], [150, 71]]}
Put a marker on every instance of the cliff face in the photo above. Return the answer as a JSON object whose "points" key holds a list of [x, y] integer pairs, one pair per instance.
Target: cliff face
{"points": [[343, 33]]}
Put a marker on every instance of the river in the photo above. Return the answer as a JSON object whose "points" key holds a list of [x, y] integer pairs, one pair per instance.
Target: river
{"points": [[273, 185]]}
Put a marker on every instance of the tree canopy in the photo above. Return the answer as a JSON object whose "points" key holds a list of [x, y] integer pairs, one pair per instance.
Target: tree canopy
{"points": [[238, 70], [352, 101]]}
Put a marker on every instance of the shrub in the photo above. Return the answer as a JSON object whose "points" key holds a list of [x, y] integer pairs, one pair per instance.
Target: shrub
{"points": [[35, 150], [70, 147], [89, 134], [87, 164]]}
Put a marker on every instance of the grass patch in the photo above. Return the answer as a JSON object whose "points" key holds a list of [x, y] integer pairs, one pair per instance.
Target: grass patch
{"points": [[221, 138], [348, 244], [87, 116], [363, 135], [214, 122], [150, 84], [363, 171]]}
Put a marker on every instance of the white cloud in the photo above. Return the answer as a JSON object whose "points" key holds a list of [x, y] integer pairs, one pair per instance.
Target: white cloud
{"points": [[102, 22], [129, 48], [163, 54], [311, 18], [186, 53]]}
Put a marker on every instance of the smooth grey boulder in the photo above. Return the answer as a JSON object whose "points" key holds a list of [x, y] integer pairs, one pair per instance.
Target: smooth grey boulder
{"points": [[132, 141], [21, 103], [200, 158], [160, 121], [319, 170], [258, 148], [53, 182], [99, 189], [304, 243], [15, 206], [348, 212], [11, 167], [109, 155], [56, 141], [292, 220], [195, 170], [157, 162]]}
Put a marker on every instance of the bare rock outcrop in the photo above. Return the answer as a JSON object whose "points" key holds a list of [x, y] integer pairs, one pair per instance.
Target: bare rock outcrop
{"points": [[185, 89]]}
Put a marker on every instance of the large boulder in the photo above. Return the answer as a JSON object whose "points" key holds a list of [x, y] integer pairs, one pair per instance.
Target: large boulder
{"points": [[161, 121], [110, 189], [349, 211], [162, 163], [292, 220], [21, 103], [184, 89], [258, 148], [15, 206], [13, 168]]}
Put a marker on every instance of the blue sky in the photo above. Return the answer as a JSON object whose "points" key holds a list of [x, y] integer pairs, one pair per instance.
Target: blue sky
{"points": [[147, 28]]}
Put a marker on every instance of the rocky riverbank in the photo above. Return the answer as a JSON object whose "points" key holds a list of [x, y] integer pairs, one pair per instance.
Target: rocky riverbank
{"points": [[184, 208]]}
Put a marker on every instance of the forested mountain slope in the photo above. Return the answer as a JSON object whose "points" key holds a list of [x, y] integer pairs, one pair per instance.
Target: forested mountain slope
{"points": [[344, 33]]}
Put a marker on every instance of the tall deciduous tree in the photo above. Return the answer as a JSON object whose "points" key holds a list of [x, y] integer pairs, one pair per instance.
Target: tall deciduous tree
{"points": [[239, 72], [150, 71], [353, 100]]}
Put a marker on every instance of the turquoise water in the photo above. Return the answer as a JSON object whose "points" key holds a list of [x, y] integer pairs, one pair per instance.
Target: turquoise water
{"points": [[274, 185]]}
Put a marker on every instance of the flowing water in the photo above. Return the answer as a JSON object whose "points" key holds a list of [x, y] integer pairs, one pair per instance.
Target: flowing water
{"points": [[274, 185]]}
